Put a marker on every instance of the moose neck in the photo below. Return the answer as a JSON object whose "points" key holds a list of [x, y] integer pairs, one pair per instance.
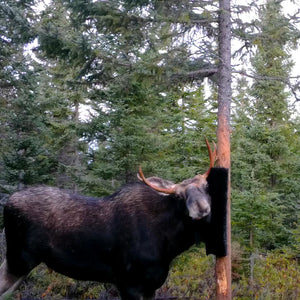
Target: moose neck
{"points": [[177, 229]]}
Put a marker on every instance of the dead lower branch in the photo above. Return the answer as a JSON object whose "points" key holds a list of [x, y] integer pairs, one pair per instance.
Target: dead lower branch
{"points": [[294, 87]]}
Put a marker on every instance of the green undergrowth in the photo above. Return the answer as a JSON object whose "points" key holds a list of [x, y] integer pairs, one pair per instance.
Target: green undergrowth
{"points": [[276, 276], [273, 276]]}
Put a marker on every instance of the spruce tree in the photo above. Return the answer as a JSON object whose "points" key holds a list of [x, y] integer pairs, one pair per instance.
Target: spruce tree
{"points": [[24, 156], [264, 160]]}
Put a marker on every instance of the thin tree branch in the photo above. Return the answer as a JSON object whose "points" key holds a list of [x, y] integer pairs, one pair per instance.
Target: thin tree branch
{"points": [[293, 87]]}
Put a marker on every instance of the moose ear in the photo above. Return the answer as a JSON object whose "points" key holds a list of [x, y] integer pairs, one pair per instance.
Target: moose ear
{"points": [[159, 182]]}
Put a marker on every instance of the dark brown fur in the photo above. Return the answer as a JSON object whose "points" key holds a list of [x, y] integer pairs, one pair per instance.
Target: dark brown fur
{"points": [[128, 238]]}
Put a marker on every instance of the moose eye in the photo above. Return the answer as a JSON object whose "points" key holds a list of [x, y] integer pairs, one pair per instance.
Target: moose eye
{"points": [[203, 189]]}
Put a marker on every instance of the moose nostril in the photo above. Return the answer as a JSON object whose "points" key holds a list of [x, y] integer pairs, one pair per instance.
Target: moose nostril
{"points": [[205, 208], [206, 211], [200, 214]]}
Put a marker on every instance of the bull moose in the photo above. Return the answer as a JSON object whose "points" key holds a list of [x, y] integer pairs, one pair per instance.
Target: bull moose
{"points": [[128, 238]]}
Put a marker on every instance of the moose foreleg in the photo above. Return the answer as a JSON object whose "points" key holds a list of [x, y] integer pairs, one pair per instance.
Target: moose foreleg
{"points": [[8, 282]]}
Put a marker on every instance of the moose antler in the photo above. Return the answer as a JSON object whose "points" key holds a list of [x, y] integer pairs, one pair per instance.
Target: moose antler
{"points": [[212, 156], [159, 189]]}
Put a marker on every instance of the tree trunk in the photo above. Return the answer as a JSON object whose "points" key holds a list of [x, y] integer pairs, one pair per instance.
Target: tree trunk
{"points": [[223, 264]]}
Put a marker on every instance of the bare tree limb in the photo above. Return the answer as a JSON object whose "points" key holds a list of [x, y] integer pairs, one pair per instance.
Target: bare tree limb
{"points": [[295, 88]]}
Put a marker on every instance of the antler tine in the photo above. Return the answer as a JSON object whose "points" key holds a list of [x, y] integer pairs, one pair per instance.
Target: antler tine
{"points": [[159, 189], [215, 154], [212, 156]]}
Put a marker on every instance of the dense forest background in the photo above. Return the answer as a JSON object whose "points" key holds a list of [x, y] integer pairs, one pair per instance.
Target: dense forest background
{"points": [[90, 90]]}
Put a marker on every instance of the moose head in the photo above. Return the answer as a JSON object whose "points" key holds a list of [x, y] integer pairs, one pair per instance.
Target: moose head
{"points": [[194, 190]]}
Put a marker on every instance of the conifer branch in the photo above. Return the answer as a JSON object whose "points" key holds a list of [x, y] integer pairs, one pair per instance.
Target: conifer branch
{"points": [[195, 75]]}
